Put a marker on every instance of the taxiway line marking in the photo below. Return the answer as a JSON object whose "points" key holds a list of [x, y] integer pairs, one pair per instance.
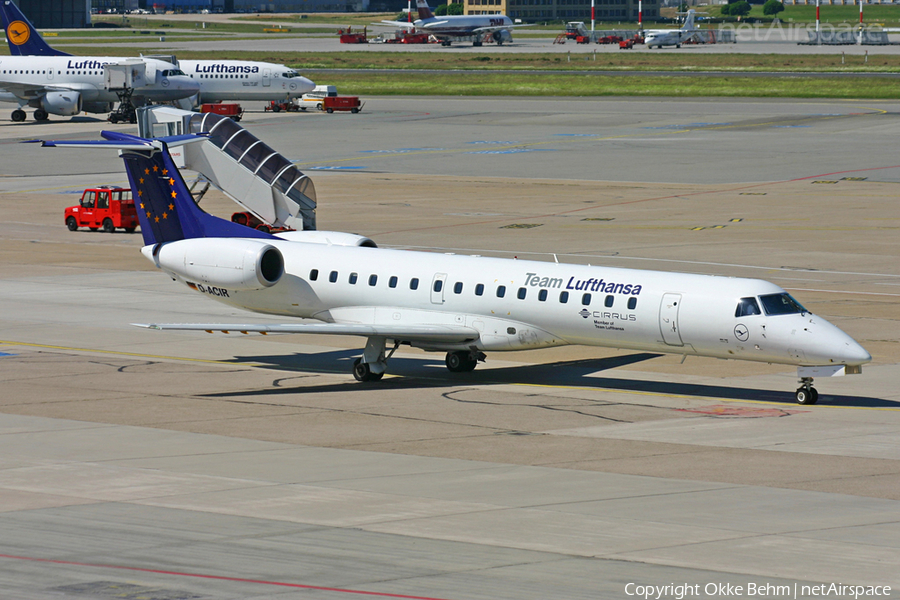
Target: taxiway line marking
{"points": [[217, 577]]}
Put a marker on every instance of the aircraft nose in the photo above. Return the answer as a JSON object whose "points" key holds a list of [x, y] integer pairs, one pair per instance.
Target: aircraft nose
{"points": [[852, 353], [306, 84]]}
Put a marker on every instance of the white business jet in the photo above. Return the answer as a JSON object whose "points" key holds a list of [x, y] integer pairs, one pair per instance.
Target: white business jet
{"points": [[672, 37], [216, 80], [462, 305], [457, 27]]}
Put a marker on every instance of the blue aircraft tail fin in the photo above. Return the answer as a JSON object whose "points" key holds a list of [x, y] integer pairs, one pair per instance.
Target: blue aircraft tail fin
{"points": [[23, 39], [165, 207]]}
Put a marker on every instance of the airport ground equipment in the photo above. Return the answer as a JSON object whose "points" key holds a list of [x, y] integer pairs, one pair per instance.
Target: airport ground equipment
{"points": [[316, 98], [232, 159], [281, 105], [122, 79], [226, 109], [105, 208], [342, 103], [249, 219], [348, 36]]}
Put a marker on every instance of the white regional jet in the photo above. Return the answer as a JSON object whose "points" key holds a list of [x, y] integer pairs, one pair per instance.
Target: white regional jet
{"points": [[455, 27], [217, 79], [672, 37], [461, 305]]}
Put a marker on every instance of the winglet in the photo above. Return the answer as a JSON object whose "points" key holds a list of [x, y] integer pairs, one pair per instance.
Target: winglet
{"points": [[22, 37]]}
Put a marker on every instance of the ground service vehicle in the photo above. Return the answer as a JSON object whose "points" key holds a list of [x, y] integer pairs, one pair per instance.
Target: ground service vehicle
{"points": [[342, 103], [103, 208], [226, 109], [250, 220], [283, 105], [316, 98]]}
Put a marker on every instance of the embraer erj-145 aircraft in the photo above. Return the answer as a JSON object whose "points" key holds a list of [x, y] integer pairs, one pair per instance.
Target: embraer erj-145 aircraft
{"points": [[461, 305], [672, 37], [216, 79], [455, 27]]}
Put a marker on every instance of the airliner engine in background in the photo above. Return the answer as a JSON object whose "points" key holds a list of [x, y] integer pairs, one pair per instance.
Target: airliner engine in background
{"points": [[215, 79], [459, 27], [462, 305]]}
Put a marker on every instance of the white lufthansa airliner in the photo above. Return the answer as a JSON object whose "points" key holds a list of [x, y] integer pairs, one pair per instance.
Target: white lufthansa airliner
{"points": [[216, 80], [245, 80], [672, 37], [455, 27], [462, 305]]}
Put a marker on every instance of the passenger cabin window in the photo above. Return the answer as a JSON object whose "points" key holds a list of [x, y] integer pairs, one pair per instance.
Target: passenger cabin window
{"points": [[632, 303], [373, 279], [781, 304], [586, 299], [333, 276], [608, 301], [314, 275], [438, 285], [392, 282], [479, 289], [542, 295], [414, 283], [563, 297], [353, 278], [521, 293], [501, 291], [457, 287], [747, 307]]}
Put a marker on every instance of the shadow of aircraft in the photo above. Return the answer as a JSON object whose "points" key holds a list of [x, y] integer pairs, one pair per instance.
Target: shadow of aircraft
{"points": [[430, 373]]}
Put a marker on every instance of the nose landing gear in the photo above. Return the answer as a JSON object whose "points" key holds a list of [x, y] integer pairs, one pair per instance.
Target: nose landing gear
{"points": [[806, 393]]}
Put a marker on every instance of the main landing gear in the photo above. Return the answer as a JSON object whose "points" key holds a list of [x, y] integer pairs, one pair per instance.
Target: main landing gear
{"points": [[806, 393], [373, 363]]}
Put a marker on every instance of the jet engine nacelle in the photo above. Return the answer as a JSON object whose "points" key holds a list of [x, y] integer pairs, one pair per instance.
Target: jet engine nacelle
{"points": [[502, 36], [233, 264], [65, 104], [329, 238]]}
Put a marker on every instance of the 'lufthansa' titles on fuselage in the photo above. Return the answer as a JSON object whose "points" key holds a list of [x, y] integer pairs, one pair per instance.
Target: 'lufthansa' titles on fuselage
{"points": [[220, 68], [586, 285]]}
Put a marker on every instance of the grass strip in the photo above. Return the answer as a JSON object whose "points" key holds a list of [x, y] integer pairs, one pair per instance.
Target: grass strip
{"points": [[492, 84]]}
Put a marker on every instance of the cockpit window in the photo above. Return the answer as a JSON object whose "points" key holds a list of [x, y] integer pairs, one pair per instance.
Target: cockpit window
{"points": [[173, 73], [747, 307], [290, 74], [781, 304]]}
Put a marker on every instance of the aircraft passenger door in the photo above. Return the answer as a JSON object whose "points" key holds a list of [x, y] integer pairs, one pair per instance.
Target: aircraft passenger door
{"points": [[668, 319], [266, 78], [437, 288]]}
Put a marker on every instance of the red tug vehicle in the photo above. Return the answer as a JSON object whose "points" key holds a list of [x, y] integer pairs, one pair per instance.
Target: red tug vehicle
{"points": [[105, 208]]}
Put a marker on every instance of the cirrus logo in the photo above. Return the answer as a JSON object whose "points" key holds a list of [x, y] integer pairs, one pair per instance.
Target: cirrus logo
{"points": [[584, 313]]}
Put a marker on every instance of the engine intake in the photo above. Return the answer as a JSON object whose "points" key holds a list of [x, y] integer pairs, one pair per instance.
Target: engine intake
{"points": [[222, 262], [65, 104]]}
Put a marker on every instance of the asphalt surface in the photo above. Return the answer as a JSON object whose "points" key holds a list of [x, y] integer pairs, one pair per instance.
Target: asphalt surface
{"points": [[182, 465]]}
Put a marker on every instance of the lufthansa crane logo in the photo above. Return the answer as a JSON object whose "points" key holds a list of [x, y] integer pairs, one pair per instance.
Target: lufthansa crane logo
{"points": [[18, 32], [741, 332]]}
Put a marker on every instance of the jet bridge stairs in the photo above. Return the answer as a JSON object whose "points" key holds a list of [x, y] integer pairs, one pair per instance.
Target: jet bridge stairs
{"points": [[262, 181]]}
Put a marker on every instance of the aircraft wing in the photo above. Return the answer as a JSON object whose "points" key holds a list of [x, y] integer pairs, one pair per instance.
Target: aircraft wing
{"points": [[420, 333], [29, 90]]}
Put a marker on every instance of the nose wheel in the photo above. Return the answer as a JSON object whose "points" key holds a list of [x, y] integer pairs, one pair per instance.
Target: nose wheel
{"points": [[806, 393]]}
